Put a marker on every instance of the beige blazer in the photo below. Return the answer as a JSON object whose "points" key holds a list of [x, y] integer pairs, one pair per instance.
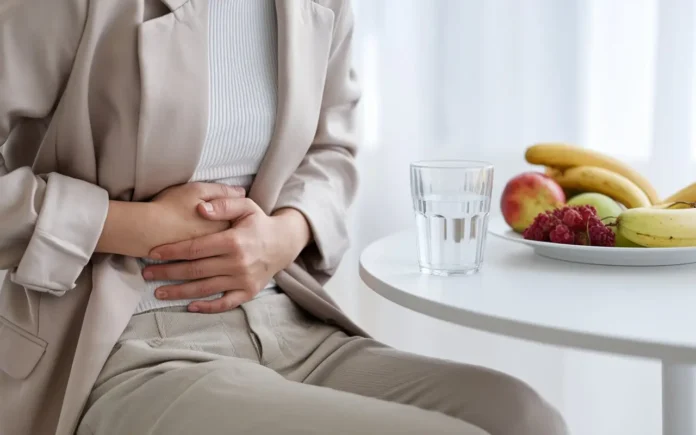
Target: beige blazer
{"points": [[108, 99]]}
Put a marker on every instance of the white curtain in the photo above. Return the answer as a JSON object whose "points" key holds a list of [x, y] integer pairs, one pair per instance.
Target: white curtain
{"points": [[483, 79]]}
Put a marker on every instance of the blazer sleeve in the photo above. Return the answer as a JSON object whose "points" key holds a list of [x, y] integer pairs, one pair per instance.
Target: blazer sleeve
{"points": [[324, 185], [49, 223]]}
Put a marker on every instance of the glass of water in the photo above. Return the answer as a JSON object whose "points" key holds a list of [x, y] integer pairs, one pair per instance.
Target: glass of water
{"points": [[452, 202]]}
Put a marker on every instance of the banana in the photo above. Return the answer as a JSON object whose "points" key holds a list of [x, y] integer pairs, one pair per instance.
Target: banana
{"points": [[552, 172], [563, 156], [649, 241], [600, 180], [676, 205], [659, 227], [687, 194]]}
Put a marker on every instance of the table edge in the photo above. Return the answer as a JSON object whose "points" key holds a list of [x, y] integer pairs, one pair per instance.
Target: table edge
{"points": [[518, 329]]}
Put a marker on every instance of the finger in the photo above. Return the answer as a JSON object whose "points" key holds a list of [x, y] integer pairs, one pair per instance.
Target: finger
{"points": [[223, 243], [229, 301], [197, 289], [188, 270], [227, 209], [211, 191]]}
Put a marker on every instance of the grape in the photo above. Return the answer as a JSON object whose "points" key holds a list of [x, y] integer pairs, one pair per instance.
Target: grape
{"points": [[562, 234], [601, 235], [593, 221], [558, 213], [587, 212], [548, 221], [535, 232], [578, 225], [573, 219]]}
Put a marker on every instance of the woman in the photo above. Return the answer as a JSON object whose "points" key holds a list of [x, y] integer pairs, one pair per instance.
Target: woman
{"points": [[146, 293]]}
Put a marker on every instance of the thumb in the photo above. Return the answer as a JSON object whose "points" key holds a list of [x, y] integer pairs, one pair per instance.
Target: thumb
{"points": [[210, 191], [226, 209]]}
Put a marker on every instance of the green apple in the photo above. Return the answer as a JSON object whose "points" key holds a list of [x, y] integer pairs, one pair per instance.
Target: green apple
{"points": [[607, 209]]}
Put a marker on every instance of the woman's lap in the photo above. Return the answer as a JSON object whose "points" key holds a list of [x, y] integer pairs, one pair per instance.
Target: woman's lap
{"points": [[270, 368], [243, 397]]}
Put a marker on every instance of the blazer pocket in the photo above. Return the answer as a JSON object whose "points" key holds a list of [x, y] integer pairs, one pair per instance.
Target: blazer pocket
{"points": [[20, 351]]}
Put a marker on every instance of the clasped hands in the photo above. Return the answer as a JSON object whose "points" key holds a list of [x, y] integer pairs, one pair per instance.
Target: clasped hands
{"points": [[237, 257]]}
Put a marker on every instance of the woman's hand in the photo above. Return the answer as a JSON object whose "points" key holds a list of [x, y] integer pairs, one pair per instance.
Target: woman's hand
{"points": [[238, 262], [135, 228], [175, 212]]}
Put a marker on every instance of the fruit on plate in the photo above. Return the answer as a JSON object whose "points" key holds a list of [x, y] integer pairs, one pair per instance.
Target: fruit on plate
{"points": [[687, 194], [553, 172], [570, 225], [564, 156], [606, 207], [526, 195], [622, 241], [604, 181], [664, 226], [607, 211]]}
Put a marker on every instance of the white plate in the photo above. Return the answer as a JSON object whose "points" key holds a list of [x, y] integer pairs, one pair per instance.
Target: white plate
{"points": [[597, 254]]}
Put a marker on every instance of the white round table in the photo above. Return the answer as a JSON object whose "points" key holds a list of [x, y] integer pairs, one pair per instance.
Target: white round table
{"points": [[644, 312]]}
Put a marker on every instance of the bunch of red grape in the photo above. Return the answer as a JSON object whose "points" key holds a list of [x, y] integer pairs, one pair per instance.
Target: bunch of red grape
{"points": [[571, 225]]}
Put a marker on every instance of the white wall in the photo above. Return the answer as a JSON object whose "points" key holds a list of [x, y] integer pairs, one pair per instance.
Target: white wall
{"points": [[473, 79]]}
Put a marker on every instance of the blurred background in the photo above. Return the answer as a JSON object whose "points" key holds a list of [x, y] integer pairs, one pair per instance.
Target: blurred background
{"points": [[479, 79]]}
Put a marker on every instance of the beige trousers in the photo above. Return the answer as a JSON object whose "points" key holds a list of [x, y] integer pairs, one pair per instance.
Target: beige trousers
{"points": [[269, 368]]}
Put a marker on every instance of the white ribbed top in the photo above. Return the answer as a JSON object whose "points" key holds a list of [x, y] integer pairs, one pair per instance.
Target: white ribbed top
{"points": [[242, 105]]}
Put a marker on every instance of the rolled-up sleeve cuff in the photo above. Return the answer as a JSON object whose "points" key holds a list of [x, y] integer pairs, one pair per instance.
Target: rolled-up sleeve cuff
{"points": [[327, 222], [66, 234]]}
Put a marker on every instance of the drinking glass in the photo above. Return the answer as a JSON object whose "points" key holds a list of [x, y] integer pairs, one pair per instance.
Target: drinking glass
{"points": [[451, 203]]}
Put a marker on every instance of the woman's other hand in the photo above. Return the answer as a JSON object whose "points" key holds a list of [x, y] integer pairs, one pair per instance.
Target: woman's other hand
{"points": [[174, 212], [238, 262], [135, 228]]}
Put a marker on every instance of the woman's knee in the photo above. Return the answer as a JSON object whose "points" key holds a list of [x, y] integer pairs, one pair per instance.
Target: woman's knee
{"points": [[499, 403], [529, 413]]}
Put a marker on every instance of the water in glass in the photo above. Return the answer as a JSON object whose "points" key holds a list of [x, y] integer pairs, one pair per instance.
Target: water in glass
{"points": [[451, 218]]}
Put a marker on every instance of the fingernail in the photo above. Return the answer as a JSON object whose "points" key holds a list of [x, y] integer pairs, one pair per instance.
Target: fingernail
{"points": [[148, 275], [194, 309], [208, 208], [161, 294]]}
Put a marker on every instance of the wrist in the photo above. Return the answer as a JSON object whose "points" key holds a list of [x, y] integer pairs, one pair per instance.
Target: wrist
{"points": [[293, 228], [125, 230]]}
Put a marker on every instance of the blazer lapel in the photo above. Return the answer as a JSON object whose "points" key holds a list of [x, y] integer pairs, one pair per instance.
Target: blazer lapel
{"points": [[174, 4], [304, 40], [174, 96]]}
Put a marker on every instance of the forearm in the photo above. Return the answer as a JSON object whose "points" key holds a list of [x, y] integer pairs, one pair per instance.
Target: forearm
{"points": [[125, 229]]}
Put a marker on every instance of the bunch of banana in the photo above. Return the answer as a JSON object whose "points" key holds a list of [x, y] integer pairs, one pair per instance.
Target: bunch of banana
{"points": [[577, 168], [660, 226]]}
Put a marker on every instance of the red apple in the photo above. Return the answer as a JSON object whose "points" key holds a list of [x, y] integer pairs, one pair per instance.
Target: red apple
{"points": [[527, 195]]}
